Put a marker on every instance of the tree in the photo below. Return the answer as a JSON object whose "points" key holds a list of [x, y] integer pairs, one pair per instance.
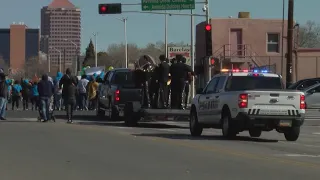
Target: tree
{"points": [[90, 53], [35, 66], [3, 64], [309, 35]]}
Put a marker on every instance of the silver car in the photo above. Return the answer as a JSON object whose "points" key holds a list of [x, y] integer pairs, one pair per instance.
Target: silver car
{"points": [[313, 96]]}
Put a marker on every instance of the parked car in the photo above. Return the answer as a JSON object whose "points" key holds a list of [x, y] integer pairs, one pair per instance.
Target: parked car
{"points": [[313, 96], [304, 83]]}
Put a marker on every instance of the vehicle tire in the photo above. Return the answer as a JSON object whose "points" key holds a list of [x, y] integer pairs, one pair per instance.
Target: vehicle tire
{"points": [[292, 134], [195, 127], [131, 118], [99, 112], [228, 129], [254, 132]]}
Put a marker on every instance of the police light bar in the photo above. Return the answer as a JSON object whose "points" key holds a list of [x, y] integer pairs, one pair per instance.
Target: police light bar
{"points": [[244, 70]]}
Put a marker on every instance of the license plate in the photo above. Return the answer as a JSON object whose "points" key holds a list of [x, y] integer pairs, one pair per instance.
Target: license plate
{"points": [[274, 112], [285, 123]]}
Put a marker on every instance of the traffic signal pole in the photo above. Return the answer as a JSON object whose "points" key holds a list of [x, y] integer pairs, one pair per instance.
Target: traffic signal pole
{"points": [[289, 67], [192, 53], [206, 3]]}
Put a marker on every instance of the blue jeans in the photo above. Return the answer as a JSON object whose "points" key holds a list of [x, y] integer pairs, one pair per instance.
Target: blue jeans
{"points": [[3, 106], [44, 105], [57, 101]]}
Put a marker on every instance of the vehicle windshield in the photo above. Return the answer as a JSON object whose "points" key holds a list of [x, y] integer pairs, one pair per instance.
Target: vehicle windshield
{"points": [[123, 78], [241, 83]]}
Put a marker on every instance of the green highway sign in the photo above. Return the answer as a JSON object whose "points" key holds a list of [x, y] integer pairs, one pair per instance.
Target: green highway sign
{"points": [[156, 5]]}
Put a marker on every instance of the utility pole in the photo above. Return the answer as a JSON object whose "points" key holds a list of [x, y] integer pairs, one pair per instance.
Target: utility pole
{"points": [[289, 68], [96, 48], [166, 34], [126, 41], [192, 53], [207, 11]]}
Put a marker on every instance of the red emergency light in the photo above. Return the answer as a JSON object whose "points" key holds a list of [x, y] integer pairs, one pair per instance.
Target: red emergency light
{"points": [[208, 27]]}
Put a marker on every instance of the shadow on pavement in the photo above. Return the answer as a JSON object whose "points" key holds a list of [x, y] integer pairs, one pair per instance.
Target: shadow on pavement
{"points": [[140, 125], [213, 137], [82, 117]]}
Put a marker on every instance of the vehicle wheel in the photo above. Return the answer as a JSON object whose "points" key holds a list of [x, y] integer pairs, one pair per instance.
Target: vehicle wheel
{"points": [[292, 134], [228, 129], [99, 112], [255, 132], [130, 118], [195, 127]]}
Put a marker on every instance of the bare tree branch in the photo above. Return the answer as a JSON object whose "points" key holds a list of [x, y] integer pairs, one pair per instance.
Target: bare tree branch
{"points": [[309, 35]]}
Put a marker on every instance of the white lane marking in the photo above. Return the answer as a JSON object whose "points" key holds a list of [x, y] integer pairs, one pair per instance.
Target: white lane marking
{"points": [[316, 133], [300, 144], [302, 155], [167, 130]]}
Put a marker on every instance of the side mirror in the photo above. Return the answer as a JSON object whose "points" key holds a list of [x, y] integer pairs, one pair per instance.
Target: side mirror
{"points": [[312, 91], [199, 91]]}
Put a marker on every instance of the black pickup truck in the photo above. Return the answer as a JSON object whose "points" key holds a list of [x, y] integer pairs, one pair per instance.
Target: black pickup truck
{"points": [[115, 91]]}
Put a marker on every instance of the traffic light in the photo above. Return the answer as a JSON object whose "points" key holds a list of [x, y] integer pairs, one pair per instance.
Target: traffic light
{"points": [[212, 61], [114, 8], [208, 36]]}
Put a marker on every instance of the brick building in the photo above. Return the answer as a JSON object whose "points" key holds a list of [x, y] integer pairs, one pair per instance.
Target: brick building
{"points": [[61, 33], [246, 42], [18, 44]]}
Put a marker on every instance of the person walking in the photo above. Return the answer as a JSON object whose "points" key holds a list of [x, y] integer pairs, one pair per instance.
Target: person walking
{"points": [[26, 87], [34, 95], [69, 84], [92, 93], [57, 92], [46, 90], [3, 96], [82, 88], [16, 94]]}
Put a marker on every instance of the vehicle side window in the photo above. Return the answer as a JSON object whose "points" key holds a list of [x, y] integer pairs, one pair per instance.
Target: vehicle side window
{"points": [[316, 89], [306, 84], [211, 87], [221, 82]]}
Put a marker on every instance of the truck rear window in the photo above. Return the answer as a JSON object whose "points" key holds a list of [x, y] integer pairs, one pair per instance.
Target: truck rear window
{"points": [[241, 83], [123, 78]]}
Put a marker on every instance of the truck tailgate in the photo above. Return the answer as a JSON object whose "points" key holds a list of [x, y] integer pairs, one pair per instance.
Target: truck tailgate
{"points": [[130, 94], [274, 102]]}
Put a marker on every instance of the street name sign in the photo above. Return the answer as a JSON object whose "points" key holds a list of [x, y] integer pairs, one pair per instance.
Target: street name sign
{"points": [[158, 5]]}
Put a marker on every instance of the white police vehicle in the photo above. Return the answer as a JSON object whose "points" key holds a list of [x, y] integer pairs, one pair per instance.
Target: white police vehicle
{"points": [[241, 100]]}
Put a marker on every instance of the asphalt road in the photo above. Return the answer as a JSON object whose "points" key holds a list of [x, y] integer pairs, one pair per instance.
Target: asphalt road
{"points": [[103, 150]]}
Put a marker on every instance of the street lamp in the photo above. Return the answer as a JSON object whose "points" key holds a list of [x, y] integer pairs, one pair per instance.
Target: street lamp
{"points": [[76, 54], [124, 20], [96, 48], [59, 56]]}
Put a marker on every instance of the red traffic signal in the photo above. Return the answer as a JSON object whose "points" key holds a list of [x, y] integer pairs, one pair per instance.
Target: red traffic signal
{"points": [[208, 27], [212, 61], [103, 8]]}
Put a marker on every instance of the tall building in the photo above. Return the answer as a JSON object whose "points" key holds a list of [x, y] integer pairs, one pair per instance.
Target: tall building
{"points": [[61, 33], [18, 44]]}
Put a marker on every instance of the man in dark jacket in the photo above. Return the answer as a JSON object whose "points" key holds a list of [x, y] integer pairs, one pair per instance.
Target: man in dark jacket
{"points": [[46, 90], [69, 90], [163, 77], [3, 96]]}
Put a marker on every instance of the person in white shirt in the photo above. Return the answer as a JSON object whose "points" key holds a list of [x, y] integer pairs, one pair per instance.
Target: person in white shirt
{"points": [[82, 88]]}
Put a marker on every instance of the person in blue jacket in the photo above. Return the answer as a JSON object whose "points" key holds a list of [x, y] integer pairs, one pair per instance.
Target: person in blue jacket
{"points": [[16, 94], [34, 96]]}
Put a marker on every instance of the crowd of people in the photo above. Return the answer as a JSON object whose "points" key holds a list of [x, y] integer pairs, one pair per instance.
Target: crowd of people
{"points": [[45, 94], [165, 83]]}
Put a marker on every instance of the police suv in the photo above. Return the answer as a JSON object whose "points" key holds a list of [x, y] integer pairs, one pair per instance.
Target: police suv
{"points": [[242, 100]]}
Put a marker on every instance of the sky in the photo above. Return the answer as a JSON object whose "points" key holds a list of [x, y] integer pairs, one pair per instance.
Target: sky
{"points": [[145, 28]]}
